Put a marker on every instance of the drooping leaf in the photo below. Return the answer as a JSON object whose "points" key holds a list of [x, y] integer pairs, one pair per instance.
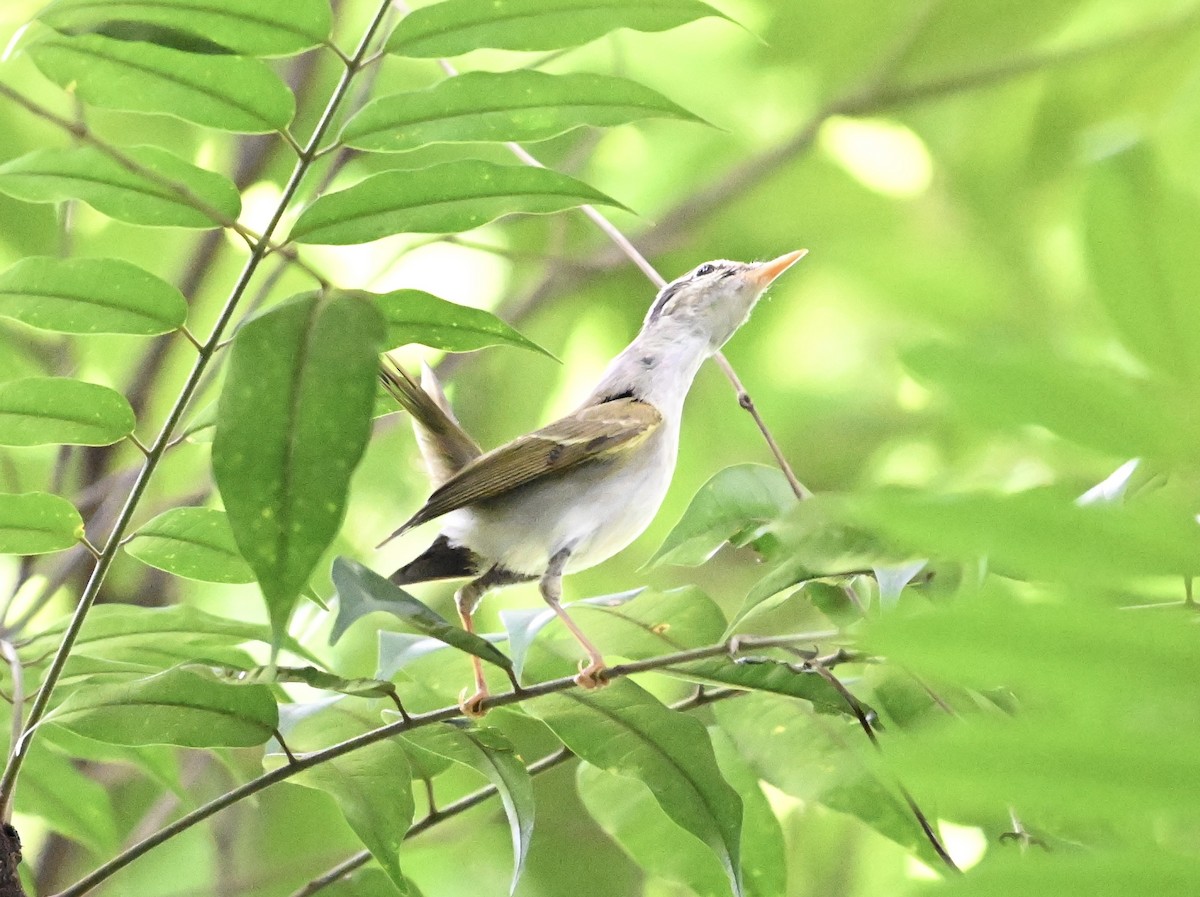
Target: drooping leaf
{"points": [[231, 93], [293, 422], [62, 411], [177, 706], [819, 758], [459, 26], [489, 752], [90, 296], [414, 316], [491, 107], [446, 198], [768, 675], [764, 853], [195, 543], [37, 523], [628, 813], [733, 507], [55, 790], [362, 591], [190, 196], [372, 787], [624, 730], [1141, 232], [264, 28]]}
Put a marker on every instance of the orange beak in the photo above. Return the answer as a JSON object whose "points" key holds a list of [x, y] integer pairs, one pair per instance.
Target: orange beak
{"points": [[768, 271]]}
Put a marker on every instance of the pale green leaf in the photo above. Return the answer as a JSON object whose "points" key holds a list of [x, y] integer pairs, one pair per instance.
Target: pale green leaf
{"points": [[231, 93], [293, 422], [62, 411], [90, 296], [195, 543], [186, 197], [180, 707], [262, 28], [414, 316], [624, 730], [494, 107], [37, 523], [459, 26], [489, 752], [446, 198], [734, 506]]}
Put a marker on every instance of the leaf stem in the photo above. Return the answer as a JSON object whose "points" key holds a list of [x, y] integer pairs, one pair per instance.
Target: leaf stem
{"points": [[105, 558]]}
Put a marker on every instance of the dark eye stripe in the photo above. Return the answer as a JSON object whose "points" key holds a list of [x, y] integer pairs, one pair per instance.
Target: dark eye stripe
{"points": [[705, 270]]}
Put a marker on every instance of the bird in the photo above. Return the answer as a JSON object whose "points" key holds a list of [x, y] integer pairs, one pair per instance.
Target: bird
{"points": [[575, 492]]}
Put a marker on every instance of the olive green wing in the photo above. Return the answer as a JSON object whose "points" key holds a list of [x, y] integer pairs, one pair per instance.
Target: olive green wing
{"points": [[589, 434], [444, 444]]}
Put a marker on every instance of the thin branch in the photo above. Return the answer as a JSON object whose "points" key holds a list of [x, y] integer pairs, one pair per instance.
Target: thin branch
{"points": [[18, 706], [316, 758], [100, 571]]}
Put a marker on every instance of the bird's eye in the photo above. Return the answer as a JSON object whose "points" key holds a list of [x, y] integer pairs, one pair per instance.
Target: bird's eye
{"points": [[705, 270]]}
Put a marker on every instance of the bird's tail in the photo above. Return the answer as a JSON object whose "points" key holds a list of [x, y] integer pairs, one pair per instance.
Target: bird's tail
{"points": [[441, 560], [444, 444]]}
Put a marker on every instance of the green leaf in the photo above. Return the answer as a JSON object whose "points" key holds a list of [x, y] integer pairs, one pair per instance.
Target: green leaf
{"points": [[1141, 236], [767, 675], [177, 706], [129, 632], [264, 28], [494, 107], [414, 316], [733, 506], [489, 752], [624, 730], [1041, 533], [1109, 411], [459, 26], [817, 758], [1097, 733], [90, 296], [195, 543], [194, 198], [764, 853], [231, 93], [37, 523], [446, 198], [293, 422], [62, 411], [1152, 869], [71, 803], [628, 813], [362, 591], [372, 787]]}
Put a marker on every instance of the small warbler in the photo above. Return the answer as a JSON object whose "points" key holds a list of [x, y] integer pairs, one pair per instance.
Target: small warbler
{"points": [[577, 491]]}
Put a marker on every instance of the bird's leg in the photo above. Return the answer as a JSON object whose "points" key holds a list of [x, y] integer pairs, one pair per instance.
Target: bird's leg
{"points": [[467, 599], [591, 675]]}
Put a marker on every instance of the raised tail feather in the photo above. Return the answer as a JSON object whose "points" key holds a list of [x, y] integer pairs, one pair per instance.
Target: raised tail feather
{"points": [[445, 445]]}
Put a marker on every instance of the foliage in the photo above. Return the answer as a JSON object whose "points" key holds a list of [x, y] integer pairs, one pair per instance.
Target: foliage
{"points": [[971, 650]]}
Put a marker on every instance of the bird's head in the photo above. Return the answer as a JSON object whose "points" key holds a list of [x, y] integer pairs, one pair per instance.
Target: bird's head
{"points": [[716, 298]]}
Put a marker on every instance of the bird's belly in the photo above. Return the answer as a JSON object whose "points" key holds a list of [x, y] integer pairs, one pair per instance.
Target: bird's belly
{"points": [[594, 510]]}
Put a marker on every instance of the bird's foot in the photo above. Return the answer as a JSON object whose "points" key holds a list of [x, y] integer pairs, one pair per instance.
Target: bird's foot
{"points": [[472, 707], [591, 675]]}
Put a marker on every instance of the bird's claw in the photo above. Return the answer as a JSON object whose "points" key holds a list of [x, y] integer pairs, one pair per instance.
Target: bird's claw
{"points": [[592, 675], [472, 707]]}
